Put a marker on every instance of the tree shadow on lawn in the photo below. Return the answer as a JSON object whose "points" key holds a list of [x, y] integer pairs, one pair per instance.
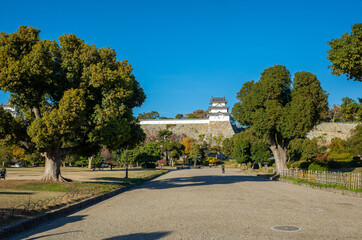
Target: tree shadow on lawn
{"points": [[140, 236], [50, 225], [201, 181], [16, 193], [119, 180]]}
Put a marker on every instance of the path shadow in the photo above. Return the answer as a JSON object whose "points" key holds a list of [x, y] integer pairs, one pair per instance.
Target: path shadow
{"points": [[55, 234], [140, 236], [201, 181], [50, 225]]}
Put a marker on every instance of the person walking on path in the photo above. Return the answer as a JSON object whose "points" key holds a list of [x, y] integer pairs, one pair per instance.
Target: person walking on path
{"points": [[223, 168], [3, 173]]}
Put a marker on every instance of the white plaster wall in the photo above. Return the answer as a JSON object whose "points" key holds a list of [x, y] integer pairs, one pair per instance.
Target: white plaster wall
{"points": [[219, 110], [219, 118]]}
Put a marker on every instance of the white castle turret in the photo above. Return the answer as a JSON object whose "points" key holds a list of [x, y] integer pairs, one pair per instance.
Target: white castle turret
{"points": [[218, 110], [216, 125]]}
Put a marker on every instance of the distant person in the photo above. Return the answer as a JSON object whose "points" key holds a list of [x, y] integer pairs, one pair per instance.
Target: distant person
{"points": [[102, 166], [111, 165], [3, 173], [223, 168]]}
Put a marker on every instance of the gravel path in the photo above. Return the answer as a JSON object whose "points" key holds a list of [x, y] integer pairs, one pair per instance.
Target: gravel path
{"points": [[205, 204]]}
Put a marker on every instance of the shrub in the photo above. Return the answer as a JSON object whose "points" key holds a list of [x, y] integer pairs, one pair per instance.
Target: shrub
{"points": [[335, 165], [148, 165], [355, 162], [332, 156], [318, 166], [301, 164]]}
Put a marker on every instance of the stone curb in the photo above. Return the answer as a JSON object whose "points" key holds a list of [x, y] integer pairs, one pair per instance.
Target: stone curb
{"points": [[326, 189], [31, 222]]}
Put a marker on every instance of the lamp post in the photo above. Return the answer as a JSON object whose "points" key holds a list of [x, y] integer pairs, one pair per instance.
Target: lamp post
{"points": [[126, 163], [161, 156]]}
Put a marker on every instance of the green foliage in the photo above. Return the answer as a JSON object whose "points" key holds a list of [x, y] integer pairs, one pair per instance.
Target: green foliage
{"points": [[179, 116], [301, 164], [341, 150], [34, 159], [351, 110], [174, 149], [98, 160], [227, 147], [6, 154], [149, 115], [241, 151], [197, 114], [302, 149], [81, 162], [334, 156], [346, 54], [278, 112], [318, 166], [337, 146], [195, 152], [260, 151], [164, 135], [354, 163], [354, 142], [81, 97], [148, 153], [129, 156]]}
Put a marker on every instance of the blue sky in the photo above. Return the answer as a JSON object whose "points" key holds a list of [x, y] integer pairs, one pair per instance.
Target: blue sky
{"points": [[184, 52]]}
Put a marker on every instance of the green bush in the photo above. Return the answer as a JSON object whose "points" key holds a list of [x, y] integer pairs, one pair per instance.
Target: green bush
{"points": [[148, 165], [340, 156], [301, 164], [318, 166], [355, 162]]}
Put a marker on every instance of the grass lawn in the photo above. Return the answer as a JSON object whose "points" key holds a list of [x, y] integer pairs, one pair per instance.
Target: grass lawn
{"points": [[23, 190]]}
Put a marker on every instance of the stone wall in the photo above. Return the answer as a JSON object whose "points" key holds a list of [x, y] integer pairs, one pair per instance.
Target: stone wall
{"points": [[209, 132], [212, 130], [327, 131]]}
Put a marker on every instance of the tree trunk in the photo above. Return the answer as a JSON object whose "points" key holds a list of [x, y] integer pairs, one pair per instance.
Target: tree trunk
{"points": [[279, 147], [90, 159], [195, 161], [52, 167], [280, 157], [259, 164]]}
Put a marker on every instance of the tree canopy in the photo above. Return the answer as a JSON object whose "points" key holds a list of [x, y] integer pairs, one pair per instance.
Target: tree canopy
{"points": [[149, 115], [279, 110], [80, 96], [346, 54], [351, 110], [197, 114]]}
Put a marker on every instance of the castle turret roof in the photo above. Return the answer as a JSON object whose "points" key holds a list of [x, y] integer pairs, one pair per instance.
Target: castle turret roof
{"points": [[218, 100]]}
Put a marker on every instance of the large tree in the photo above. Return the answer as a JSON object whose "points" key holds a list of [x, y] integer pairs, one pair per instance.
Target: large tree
{"points": [[80, 96], [346, 54], [279, 112]]}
